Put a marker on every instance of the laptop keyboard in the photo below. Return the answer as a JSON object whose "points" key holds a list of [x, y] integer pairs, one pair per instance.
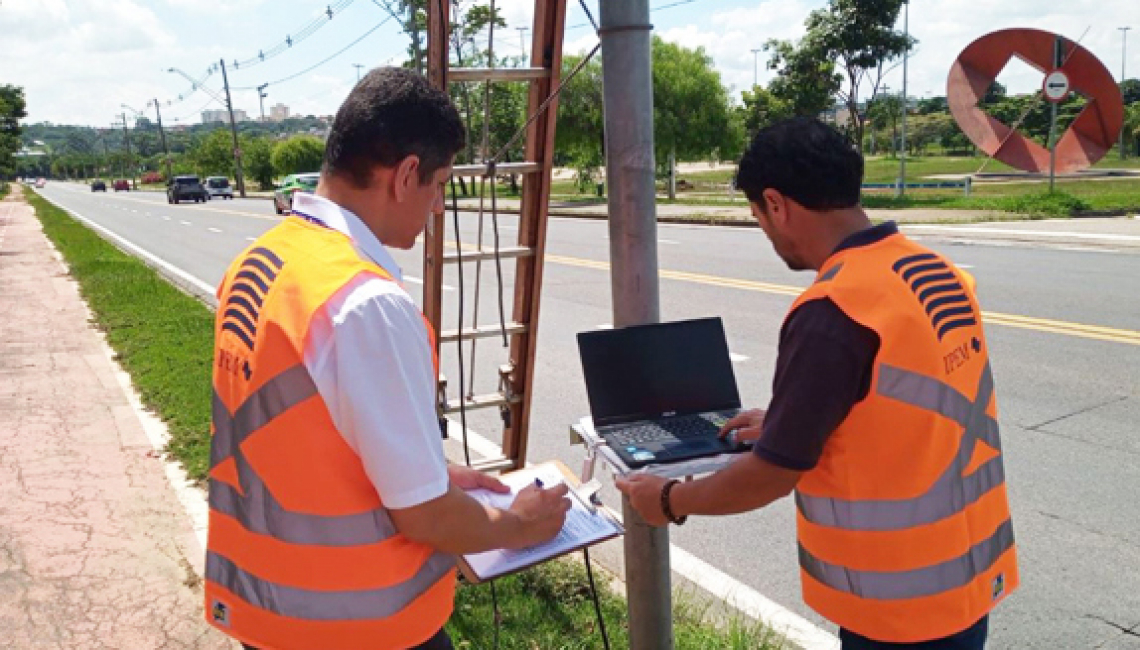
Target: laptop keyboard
{"points": [[691, 426]]}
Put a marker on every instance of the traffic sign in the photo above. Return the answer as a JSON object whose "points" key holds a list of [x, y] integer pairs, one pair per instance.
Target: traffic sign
{"points": [[1056, 86]]}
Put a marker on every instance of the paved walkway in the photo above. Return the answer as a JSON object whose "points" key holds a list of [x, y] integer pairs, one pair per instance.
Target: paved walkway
{"points": [[94, 545]]}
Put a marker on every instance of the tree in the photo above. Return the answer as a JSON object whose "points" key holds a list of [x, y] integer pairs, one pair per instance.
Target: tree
{"points": [[884, 111], [691, 109], [1130, 91], [762, 108], [214, 154], [1132, 125], [412, 17], [257, 159], [297, 155], [805, 82], [859, 35], [12, 110], [933, 105], [580, 136]]}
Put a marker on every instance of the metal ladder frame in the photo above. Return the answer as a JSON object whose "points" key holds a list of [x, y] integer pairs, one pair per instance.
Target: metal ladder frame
{"points": [[517, 375]]}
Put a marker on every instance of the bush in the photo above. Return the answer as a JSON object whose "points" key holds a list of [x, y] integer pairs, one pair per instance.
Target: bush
{"points": [[1048, 204], [298, 155], [153, 178]]}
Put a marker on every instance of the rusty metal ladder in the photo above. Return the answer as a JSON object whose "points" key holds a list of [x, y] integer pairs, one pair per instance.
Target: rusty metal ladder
{"points": [[515, 376]]}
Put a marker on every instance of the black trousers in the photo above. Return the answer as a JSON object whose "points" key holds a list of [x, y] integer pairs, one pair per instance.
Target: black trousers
{"points": [[438, 642], [972, 638]]}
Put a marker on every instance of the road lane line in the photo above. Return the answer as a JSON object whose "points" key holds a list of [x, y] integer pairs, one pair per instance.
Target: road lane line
{"points": [[213, 230], [414, 280], [737, 357], [185, 223]]}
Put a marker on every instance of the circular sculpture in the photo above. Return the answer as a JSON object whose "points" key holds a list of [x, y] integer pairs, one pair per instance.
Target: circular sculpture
{"points": [[1091, 135]]}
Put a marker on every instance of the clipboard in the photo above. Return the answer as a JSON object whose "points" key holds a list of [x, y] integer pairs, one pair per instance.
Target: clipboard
{"points": [[587, 523]]}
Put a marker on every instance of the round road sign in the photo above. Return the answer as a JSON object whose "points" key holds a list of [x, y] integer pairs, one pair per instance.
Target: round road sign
{"points": [[1056, 86]]}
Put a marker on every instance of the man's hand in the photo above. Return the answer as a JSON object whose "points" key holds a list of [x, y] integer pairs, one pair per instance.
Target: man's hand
{"points": [[747, 425], [540, 514], [644, 492], [466, 478]]}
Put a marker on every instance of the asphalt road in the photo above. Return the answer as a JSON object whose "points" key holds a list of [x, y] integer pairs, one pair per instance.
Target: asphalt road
{"points": [[1068, 385]]}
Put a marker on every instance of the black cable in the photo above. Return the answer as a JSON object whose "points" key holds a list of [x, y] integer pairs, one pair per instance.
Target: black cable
{"points": [[321, 62], [459, 338], [597, 602], [495, 610], [498, 258], [588, 14]]}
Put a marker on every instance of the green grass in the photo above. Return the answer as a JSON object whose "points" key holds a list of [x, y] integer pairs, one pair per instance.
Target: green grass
{"points": [[161, 336], [550, 608], [4, 189], [164, 339]]}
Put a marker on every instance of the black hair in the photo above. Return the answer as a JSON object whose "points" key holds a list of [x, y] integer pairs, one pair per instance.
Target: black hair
{"points": [[392, 113], [806, 161]]}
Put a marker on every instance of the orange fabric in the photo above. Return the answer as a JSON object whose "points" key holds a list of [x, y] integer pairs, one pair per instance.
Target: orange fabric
{"points": [[303, 461], [888, 450]]}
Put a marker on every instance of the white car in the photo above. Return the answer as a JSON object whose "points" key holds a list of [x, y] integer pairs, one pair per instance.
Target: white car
{"points": [[218, 186]]}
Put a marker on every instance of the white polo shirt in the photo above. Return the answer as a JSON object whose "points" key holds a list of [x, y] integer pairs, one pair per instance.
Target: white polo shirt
{"points": [[368, 353]]}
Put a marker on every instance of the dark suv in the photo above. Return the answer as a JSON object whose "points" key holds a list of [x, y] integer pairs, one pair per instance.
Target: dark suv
{"points": [[185, 188]]}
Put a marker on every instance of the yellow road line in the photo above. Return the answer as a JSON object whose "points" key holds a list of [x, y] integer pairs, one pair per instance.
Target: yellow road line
{"points": [[1047, 325]]}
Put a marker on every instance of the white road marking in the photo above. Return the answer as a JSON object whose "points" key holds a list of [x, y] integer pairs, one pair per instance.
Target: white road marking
{"points": [[165, 218], [213, 230], [606, 326], [668, 241], [737, 357], [964, 266], [251, 238], [185, 223]]}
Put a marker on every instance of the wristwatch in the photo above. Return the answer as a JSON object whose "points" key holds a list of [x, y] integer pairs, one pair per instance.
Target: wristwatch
{"points": [[665, 489]]}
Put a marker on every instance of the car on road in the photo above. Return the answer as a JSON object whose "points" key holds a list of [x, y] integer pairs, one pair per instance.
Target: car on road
{"points": [[185, 188], [122, 184], [293, 183], [98, 186], [40, 182], [219, 186]]}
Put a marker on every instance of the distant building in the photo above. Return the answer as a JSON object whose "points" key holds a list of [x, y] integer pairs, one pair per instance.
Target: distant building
{"points": [[222, 115], [279, 112]]}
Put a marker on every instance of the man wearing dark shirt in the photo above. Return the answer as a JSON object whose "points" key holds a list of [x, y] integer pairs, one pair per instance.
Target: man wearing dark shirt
{"points": [[904, 532]]}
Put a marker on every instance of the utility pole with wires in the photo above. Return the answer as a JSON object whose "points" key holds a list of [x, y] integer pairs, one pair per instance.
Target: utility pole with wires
{"points": [[358, 66], [261, 95], [902, 144], [233, 130], [130, 161], [522, 41], [162, 133], [755, 67]]}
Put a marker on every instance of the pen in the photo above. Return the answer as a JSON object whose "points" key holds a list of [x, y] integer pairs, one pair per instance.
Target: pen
{"points": [[538, 482]]}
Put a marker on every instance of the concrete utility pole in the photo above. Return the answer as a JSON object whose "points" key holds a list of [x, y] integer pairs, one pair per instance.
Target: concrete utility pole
{"points": [[1123, 76], [261, 95], [161, 132], [522, 41], [233, 130], [358, 66], [906, 57], [127, 139], [755, 67], [1058, 59], [627, 88]]}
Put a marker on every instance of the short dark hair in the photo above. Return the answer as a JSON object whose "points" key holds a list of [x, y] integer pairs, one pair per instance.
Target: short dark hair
{"points": [[806, 161], [392, 113]]}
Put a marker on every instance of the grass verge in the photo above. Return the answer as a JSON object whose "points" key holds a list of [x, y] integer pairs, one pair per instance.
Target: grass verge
{"points": [[164, 339]]}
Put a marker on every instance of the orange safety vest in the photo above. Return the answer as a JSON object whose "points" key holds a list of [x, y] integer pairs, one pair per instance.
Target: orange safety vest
{"points": [[904, 526], [301, 551]]}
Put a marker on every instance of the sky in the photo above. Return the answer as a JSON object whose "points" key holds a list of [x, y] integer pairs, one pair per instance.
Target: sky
{"points": [[79, 61]]}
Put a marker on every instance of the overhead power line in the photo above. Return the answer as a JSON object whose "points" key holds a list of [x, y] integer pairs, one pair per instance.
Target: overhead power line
{"points": [[322, 61], [295, 37]]}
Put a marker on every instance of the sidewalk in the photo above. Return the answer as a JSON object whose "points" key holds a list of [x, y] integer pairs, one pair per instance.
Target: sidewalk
{"points": [[95, 550]]}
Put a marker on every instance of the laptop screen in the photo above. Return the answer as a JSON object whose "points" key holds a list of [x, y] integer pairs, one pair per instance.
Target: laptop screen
{"points": [[648, 371]]}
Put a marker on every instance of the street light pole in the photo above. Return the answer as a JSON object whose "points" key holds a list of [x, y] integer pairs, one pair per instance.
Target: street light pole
{"points": [[127, 139], [233, 130], [755, 67], [161, 132], [522, 42], [1123, 75], [906, 57], [358, 66]]}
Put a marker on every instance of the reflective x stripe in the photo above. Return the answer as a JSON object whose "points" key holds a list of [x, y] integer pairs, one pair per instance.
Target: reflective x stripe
{"points": [[306, 604], [254, 506], [916, 583], [952, 492]]}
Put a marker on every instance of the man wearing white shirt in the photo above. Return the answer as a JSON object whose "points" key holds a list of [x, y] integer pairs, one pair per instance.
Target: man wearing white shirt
{"points": [[335, 517]]}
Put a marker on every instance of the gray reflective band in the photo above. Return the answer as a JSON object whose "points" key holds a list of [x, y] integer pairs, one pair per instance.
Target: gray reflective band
{"points": [[287, 389], [916, 583], [255, 506], [307, 604], [952, 492], [831, 273]]}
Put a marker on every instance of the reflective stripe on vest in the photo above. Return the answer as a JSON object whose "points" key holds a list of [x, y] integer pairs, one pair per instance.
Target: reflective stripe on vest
{"points": [[256, 509], [952, 492], [916, 583], [368, 604]]}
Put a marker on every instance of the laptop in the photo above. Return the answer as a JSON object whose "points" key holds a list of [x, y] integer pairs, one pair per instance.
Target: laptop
{"points": [[660, 393]]}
